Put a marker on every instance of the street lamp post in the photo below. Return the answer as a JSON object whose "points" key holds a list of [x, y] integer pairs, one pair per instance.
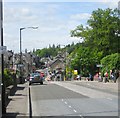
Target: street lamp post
{"points": [[2, 80], [21, 51]]}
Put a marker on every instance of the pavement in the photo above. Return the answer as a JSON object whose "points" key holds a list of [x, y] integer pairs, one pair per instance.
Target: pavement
{"points": [[99, 85], [18, 103]]}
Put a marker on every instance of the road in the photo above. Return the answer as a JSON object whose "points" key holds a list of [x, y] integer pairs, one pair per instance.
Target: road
{"points": [[73, 99]]}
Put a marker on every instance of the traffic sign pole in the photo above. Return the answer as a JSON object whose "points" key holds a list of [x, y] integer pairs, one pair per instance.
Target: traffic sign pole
{"points": [[2, 60]]}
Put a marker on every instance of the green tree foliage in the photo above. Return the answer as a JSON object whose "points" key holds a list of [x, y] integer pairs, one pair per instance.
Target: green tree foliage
{"points": [[100, 35], [111, 62], [85, 60], [52, 51], [99, 39], [104, 24], [47, 52]]}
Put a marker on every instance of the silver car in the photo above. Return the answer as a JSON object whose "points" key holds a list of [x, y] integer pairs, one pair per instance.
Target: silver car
{"points": [[35, 78]]}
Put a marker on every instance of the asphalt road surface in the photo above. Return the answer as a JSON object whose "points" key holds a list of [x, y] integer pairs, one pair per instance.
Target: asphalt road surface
{"points": [[69, 99]]}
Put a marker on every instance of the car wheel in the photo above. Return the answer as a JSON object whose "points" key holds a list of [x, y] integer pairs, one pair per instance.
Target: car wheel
{"points": [[41, 82]]}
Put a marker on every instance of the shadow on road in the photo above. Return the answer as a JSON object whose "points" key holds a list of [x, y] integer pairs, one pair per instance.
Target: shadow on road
{"points": [[10, 115], [36, 84]]}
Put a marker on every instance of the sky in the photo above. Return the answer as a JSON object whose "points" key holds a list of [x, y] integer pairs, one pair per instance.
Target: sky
{"points": [[54, 20]]}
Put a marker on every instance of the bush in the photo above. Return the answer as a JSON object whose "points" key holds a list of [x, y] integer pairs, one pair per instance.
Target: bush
{"points": [[8, 77]]}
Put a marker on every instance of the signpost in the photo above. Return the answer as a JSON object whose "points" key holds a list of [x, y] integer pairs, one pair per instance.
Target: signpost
{"points": [[2, 81], [75, 72], [0, 64], [99, 65]]}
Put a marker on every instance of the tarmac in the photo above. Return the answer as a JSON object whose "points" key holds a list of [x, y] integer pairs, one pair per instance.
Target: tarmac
{"points": [[19, 103]]}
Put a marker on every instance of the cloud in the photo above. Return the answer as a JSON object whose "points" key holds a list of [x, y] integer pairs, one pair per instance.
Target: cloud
{"points": [[11, 42], [76, 39], [59, 1], [52, 28], [81, 16], [12, 15], [54, 20], [111, 4]]}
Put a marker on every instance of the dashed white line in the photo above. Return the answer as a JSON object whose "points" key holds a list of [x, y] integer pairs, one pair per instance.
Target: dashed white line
{"points": [[65, 102], [70, 107], [81, 116], [74, 110]]}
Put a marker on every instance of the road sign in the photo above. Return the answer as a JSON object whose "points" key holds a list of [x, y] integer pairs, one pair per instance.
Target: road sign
{"points": [[3, 49], [75, 72], [99, 65], [20, 65]]}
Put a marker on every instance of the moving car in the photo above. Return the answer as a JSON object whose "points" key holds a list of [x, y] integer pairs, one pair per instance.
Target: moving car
{"points": [[35, 78]]}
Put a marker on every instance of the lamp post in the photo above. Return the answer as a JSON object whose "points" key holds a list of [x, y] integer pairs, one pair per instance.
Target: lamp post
{"points": [[21, 50], [2, 80]]}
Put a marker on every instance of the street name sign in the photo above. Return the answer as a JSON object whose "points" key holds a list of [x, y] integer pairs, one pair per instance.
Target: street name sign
{"points": [[3, 49], [99, 65]]}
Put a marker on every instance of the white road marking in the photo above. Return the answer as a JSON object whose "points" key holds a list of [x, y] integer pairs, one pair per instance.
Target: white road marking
{"points": [[70, 107], [62, 100], [109, 98], [74, 110], [65, 102], [81, 116]]}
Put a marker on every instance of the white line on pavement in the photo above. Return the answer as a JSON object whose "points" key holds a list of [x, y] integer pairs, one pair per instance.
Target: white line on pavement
{"points": [[70, 107], [65, 102], [74, 110], [81, 116]]}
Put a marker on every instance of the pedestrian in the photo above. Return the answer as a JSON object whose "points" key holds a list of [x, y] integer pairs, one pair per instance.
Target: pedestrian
{"points": [[90, 77], [116, 75], [106, 77], [99, 77], [78, 77], [112, 75]]}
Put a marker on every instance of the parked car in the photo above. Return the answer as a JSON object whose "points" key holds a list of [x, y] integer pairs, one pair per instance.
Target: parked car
{"points": [[41, 73], [35, 78]]}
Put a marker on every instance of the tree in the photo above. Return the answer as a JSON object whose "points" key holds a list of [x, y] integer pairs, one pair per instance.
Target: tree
{"points": [[99, 39], [100, 34], [111, 62]]}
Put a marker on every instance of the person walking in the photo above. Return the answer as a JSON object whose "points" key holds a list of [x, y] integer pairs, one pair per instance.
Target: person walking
{"points": [[90, 77], [112, 75], [100, 77], [78, 77], [106, 77], [116, 75]]}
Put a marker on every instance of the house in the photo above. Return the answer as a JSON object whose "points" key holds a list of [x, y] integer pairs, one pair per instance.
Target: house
{"points": [[57, 66]]}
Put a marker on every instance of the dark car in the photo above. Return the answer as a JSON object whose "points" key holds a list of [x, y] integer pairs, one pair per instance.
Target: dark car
{"points": [[35, 78]]}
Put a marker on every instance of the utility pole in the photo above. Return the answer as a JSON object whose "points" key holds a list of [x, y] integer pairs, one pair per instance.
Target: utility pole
{"points": [[2, 60]]}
